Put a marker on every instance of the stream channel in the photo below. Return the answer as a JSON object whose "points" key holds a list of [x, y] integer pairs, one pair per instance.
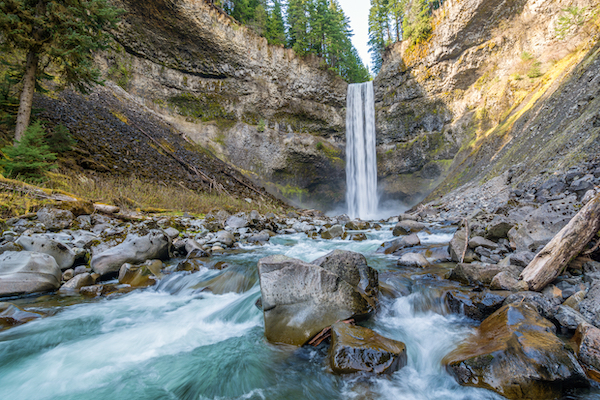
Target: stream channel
{"points": [[177, 340]]}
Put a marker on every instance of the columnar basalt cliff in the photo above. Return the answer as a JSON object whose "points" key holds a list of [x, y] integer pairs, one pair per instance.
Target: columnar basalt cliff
{"points": [[493, 87], [277, 117]]}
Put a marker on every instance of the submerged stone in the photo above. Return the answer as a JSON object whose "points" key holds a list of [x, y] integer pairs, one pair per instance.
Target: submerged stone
{"points": [[357, 349]]}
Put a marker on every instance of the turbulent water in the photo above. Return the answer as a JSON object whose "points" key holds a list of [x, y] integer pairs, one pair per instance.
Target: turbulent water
{"points": [[178, 341], [361, 159]]}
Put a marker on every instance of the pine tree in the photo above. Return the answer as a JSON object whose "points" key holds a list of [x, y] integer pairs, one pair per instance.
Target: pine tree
{"points": [[30, 157], [64, 33], [276, 26]]}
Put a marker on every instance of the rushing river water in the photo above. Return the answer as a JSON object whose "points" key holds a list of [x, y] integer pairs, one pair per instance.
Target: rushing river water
{"points": [[176, 341]]}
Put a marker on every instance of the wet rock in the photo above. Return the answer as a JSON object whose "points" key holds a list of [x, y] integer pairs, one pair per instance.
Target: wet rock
{"points": [[399, 244], [352, 268], [225, 238], [133, 250], [28, 272], [358, 237], [516, 354], [475, 305], [590, 305], [499, 227], [480, 273], [171, 232], [479, 241], [78, 282], [357, 349], [300, 299], [406, 227], [55, 220], [538, 226], [358, 225], [414, 260], [334, 232], [262, 237], [506, 280], [543, 305], [141, 275], [568, 318], [11, 315], [457, 246], [587, 342], [64, 256]]}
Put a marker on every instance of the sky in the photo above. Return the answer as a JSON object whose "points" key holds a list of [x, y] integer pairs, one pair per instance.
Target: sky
{"points": [[358, 13]]}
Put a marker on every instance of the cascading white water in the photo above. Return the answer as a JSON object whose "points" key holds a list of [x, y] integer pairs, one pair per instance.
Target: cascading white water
{"points": [[361, 161]]}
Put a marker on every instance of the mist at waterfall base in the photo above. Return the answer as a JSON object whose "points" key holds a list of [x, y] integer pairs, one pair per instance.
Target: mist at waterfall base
{"points": [[362, 200]]}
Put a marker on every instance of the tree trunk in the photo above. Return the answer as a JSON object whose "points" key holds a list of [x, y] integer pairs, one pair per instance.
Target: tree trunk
{"points": [[567, 243], [26, 100]]}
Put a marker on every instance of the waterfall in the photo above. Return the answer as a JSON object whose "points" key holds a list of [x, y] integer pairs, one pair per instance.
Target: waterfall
{"points": [[361, 160]]}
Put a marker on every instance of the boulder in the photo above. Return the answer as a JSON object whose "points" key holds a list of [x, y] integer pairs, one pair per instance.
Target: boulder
{"points": [[78, 282], [538, 226], [499, 227], [475, 305], [224, 237], [357, 349], [26, 272], [516, 353], [334, 232], [399, 244], [10, 246], [64, 256], [352, 268], [261, 238], [415, 260], [587, 342], [521, 258], [478, 273], [456, 247], [237, 221], [506, 280], [406, 227], [301, 299], [590, 305], [214, 221], [569, 318], [575, 299], [68, 275], [141, 275], [55, 220], [11, 315], [357, 225], [358, 237], [134, 250], [171, 232], [479, 241], [543, 305]]}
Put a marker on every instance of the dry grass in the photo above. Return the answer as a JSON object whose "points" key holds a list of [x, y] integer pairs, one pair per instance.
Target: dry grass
{"points": [[135, 194]]}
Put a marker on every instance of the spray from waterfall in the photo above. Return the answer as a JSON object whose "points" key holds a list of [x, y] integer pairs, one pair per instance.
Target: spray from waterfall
{"points": [[361, 160]]}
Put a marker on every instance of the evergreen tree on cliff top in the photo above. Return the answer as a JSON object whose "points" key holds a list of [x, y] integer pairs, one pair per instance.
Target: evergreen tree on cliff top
{"points": [[61, 35]]}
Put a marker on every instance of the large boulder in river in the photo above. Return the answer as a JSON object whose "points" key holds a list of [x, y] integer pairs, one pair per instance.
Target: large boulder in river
{"points": [[587, 342], [399, 244], [352, 267], [456, 247], [64, 256], [301, 299], [357, 349], [478, 273], [26, 272], [516, 353], [134, 250], [406, 227]]}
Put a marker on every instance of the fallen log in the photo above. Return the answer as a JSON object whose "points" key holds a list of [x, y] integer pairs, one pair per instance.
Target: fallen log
{"points": [[566, 244]]}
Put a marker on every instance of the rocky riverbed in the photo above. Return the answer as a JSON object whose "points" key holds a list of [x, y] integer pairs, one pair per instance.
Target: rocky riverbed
{"points": [[346, 307]]}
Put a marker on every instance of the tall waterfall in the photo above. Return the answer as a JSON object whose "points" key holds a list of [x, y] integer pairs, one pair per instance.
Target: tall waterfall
{"points": [[361, 160]]}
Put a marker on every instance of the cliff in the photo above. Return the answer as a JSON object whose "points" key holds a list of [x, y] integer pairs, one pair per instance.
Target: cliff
{"points": [[276, 117], [493, 87]]}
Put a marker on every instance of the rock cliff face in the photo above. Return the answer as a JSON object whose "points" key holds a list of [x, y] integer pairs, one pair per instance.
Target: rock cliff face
{"points": [[277, 117], [492, 88]]}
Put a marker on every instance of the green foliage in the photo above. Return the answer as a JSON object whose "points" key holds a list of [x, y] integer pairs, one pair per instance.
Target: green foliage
{"points": [[30, 157], [262, 124], [275, 25], [120, 74], [526, 56], [65, 33], [535, 70], [572, 17], [9, 103], [61, 139]]}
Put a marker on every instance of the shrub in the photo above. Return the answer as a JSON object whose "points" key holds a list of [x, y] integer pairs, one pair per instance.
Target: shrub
{"points": [[262, 124], [61, 139], [30, 157]]}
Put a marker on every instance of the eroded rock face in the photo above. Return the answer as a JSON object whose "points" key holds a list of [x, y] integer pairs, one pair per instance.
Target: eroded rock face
{"points": [[300, 299], [357, 349], [28, 272], [64, 256], [134, 250], [515, 353]]}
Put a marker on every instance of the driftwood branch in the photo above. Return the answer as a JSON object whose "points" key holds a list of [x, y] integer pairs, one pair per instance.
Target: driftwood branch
{"points": [[566, 244]]}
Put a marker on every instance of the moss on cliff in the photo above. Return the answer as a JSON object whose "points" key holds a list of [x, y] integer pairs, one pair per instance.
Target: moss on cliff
{"points": [[204, 107]]}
